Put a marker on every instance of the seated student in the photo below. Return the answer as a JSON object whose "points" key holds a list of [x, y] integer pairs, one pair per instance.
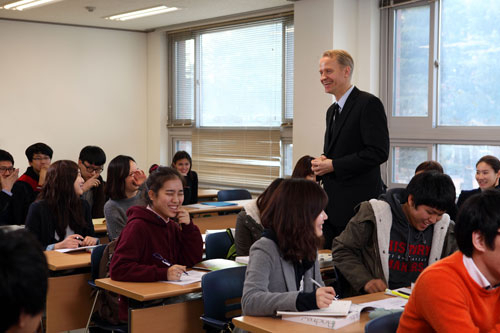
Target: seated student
{"points": [[460, 293], [23, 282], [8, 176], [124, 191], [91, 162], [157, 235], [29, 185], [182, 162], [487, 175], [303, 168], [390, 241], [429, 166], [59, 218], [248, 226], [283, 262]]}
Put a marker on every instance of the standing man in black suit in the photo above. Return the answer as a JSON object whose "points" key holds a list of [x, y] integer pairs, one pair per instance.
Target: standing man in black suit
{"points": [[356, 143]]}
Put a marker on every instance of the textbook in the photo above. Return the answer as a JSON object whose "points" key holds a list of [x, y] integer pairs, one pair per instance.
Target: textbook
{"points": [[216, 264], [81, 248], [337, 308], [326, 322]]}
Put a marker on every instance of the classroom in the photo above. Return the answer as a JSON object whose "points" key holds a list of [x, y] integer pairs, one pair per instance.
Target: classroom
{"points": [[74, 78]]}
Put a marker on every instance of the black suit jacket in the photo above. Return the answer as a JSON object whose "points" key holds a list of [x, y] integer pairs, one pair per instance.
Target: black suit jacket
{"points": [[360, 143]]}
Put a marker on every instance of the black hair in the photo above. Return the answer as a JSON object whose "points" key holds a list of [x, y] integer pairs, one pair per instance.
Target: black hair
{"points": [[157, 178], [93, 155], [480, 212], [303, 167], [23, 277], [429, 166], [492, 161], [118, 170], [432, 189], [6, 156], [180, 155], [38, 148]]}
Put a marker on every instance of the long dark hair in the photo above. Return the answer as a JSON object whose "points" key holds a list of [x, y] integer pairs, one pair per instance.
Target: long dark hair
{"points": [[180, 155], [118, 170], [59, 194], [266, 196], [294, 206], [303, 167]]}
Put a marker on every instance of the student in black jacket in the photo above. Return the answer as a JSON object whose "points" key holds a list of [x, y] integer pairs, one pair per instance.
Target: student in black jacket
{"points": [[182, 162]]}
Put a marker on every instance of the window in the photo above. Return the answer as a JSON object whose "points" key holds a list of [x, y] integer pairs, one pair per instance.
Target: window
{"points": [[441, 91], [232, 85]]}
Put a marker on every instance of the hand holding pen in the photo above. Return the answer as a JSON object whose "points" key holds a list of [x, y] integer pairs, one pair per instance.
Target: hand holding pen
{"points": [[175, 271], [324, 295]]}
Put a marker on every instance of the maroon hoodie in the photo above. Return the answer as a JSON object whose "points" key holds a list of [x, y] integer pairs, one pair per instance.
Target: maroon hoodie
{"points": [[145, 234]]}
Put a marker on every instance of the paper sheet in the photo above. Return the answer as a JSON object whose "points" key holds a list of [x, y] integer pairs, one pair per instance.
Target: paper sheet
{"points": [[193, 277]]}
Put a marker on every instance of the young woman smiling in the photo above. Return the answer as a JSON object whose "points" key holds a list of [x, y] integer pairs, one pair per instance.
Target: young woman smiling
{"points": [[159, 240], [182, 162], [60, 219], [487, 175]]}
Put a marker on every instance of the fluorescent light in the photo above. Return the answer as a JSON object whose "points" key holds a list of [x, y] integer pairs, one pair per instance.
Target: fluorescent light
{"points": [[142, 12], [23, 4]]}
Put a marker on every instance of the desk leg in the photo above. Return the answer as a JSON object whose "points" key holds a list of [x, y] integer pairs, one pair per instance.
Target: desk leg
{"points": [[175, 318], [68, 302]]}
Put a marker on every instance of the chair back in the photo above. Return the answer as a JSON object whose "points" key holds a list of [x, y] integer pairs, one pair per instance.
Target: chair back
{"points": [[217, 245], [222, 292], [95, 260], [239, 194], [385, 324]]}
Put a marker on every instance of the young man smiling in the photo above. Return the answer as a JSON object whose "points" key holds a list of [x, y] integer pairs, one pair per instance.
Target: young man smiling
{"points": [[391, 240]]}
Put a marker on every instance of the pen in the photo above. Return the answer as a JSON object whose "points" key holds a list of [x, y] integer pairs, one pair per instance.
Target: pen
{"points": [[79, 238], [316, 283], [164, 261], [396, 293]]}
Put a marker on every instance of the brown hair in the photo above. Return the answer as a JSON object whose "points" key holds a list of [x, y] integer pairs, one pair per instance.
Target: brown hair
{"points": [[492, 161], [266, 196], [429, 166], [343, 58], [295, 205], [303, 167], [157, 178], [59, 194]]}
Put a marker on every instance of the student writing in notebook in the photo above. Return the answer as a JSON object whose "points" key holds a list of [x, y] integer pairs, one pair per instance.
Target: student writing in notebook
{"points": [[159, 240], [59, 218], [284, 261]]}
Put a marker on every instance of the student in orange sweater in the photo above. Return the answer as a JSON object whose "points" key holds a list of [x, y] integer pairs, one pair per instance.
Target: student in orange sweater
{"points": [[460, 293]]}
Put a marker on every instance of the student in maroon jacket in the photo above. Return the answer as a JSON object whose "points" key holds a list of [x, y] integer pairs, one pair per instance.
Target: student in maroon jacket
{"points": [[159, 240]]}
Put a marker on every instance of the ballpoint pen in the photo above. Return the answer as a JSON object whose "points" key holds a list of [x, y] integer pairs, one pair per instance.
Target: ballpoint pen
{"points": [[316, 283], [164, 261]]}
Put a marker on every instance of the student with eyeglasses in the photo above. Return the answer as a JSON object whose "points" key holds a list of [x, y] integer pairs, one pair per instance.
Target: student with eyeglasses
{"points": [[8, 176], [29, 185], [91, 162], [124, 190]]}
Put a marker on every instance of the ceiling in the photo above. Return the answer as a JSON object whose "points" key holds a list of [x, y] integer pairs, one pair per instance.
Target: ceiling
{"points": [[75, 12]]}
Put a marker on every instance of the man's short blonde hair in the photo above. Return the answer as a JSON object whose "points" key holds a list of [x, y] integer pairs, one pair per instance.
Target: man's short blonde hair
{"points": [[342, 57]]}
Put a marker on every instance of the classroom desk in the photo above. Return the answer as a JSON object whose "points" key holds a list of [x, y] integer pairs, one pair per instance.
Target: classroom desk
{"points": [[180, 311], [204, 193], [215, 222], [199, 208], [276, 325], [68, 298], [101, 230]]}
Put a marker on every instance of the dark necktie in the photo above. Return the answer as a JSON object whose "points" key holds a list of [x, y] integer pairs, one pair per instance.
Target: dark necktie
{"points": [[335, 116]]}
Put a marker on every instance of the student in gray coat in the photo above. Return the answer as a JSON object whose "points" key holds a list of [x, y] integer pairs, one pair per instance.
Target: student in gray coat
{"points": [[284, 261]]}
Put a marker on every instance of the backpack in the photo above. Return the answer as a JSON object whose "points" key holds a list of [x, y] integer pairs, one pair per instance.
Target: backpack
{"points": [[107, 302], [231, 253]]}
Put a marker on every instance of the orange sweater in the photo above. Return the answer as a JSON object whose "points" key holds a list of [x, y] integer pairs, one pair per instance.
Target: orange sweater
{"points": [[446, 299]]}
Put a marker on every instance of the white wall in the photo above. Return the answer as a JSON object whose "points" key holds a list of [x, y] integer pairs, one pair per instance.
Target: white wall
{"points": [[321, 25], [70, 87]]}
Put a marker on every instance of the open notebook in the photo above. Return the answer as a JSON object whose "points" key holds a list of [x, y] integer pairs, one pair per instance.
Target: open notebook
{"points": [[337, 308]]}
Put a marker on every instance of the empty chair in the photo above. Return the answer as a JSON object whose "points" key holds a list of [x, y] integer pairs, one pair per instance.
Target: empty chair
{"points": [[239, 194], [217, 245], [222, 292], [384, 324]]}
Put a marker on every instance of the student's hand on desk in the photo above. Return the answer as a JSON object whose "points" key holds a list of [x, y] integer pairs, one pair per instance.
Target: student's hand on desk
{"points": [[89, 241], [321, 166], [175, 271], [70, 242], [8, 181], [91, 182], [375, 286], [183, 216], [324, 297]]}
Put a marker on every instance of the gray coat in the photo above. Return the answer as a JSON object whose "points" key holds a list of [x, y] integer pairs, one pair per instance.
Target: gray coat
{"points": [[270, 281]]}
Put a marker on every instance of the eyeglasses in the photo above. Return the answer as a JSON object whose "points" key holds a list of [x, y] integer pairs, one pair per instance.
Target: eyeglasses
{"points": [[91, 169], [4, 169], [45, 158]]}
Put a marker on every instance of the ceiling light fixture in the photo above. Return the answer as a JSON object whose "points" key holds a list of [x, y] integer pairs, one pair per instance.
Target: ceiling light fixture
{"points": [[141, 13], [23, 4]]}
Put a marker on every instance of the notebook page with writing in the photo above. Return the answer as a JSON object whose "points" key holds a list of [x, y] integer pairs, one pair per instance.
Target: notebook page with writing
{"points": [[337, 308]]}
